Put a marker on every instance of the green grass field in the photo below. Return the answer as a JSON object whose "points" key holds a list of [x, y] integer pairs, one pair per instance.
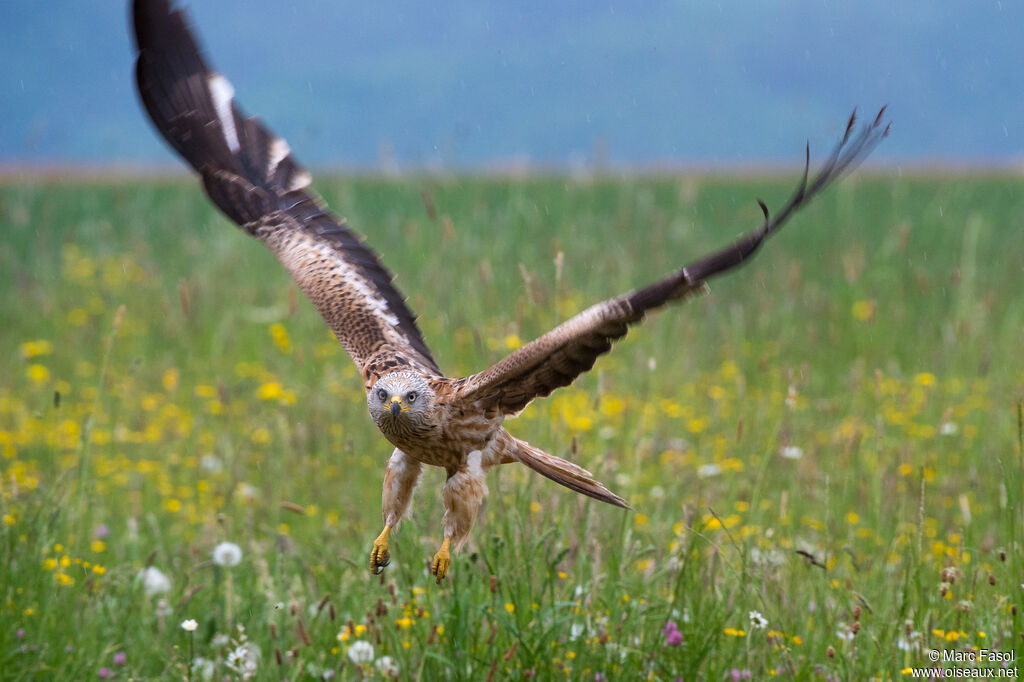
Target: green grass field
{"points": [[830, 438]]}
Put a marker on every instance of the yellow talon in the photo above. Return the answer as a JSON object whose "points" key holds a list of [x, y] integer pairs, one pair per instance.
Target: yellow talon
{"points": [[379, 555], [443, 558]]}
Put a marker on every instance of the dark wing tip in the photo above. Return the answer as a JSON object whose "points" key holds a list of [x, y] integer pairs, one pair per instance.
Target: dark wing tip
{"points": [[764, 208]]}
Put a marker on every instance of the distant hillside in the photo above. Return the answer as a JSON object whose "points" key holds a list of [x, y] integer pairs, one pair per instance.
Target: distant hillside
{"points": [[483, 84]]}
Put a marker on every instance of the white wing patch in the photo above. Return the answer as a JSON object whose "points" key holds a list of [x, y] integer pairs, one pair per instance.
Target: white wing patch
{"points": [[299, 180], [279, 151], [222, 92]]}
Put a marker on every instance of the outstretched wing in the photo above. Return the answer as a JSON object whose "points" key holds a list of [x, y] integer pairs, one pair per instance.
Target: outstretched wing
{"points": [[252, 177], [558, 357]]}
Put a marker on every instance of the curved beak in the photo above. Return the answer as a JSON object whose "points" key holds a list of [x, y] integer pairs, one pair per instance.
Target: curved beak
{"points": [[396, 405]]}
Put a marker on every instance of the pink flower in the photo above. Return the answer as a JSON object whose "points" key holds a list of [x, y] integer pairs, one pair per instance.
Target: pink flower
{"points": [[672, 635], [106, 672], [120, 658]]}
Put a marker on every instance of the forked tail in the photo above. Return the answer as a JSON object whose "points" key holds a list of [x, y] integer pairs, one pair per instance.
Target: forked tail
{"points": [[565, 472]]}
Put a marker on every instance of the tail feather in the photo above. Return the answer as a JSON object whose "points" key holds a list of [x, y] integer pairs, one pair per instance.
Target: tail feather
{"points": [[566, 473]]}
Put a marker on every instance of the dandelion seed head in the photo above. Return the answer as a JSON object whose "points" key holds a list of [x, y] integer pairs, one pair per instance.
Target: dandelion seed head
{"points": [[387, 666], [227, 554], [153, 580], [361, 652], [792, 452]]}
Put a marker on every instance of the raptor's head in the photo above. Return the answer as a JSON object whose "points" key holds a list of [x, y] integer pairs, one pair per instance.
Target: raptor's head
{"points": [[401, 403]]}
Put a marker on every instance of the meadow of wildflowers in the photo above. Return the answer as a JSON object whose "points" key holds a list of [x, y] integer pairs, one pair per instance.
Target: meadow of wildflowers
{"points": [[824, 455]]}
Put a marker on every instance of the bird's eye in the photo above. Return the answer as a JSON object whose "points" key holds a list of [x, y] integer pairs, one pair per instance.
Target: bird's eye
{"points": [[411, 397], [382, 394]]}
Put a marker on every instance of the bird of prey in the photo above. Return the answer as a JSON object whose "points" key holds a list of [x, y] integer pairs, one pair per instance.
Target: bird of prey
{"points": [[431, 419]]}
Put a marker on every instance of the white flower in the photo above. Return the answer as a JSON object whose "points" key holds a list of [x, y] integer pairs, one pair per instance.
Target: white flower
{"points": [[792, 452], [244, 660], [227, 554], [707, 470], [911, 642], [948, 428], [757, 621], [163, 608], [211, 463], [203, 668], [387, 666], [361, 653], [153, 580], [247, 491], [189, 625]]}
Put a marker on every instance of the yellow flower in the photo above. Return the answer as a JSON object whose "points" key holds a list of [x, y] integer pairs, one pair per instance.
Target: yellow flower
{"points": [[512, 342], [38, 374], [697, 424], [271, 390], [735, 632], [852, 518], [510, 607], [9, 520], [50, 564], [260, 436], [405, 622], [98, 546], [77, 317], [33, 349], [611, 406], [925, 379], [863, 310], [98, 570], [581, 423], [205, 391], [170, 379], [280, 337]]}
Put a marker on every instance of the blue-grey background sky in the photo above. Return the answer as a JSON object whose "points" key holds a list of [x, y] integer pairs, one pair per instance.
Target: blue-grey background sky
{"points": [[460, 84]]}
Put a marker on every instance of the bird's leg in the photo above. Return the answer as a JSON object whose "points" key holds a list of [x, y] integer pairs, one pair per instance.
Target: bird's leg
{"points": [[463, 492], [441, 561], [380, 556], [400, 481]]}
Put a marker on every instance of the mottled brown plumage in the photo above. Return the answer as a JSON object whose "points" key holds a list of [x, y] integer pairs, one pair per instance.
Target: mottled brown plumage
{"points": [[453, 423]]}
